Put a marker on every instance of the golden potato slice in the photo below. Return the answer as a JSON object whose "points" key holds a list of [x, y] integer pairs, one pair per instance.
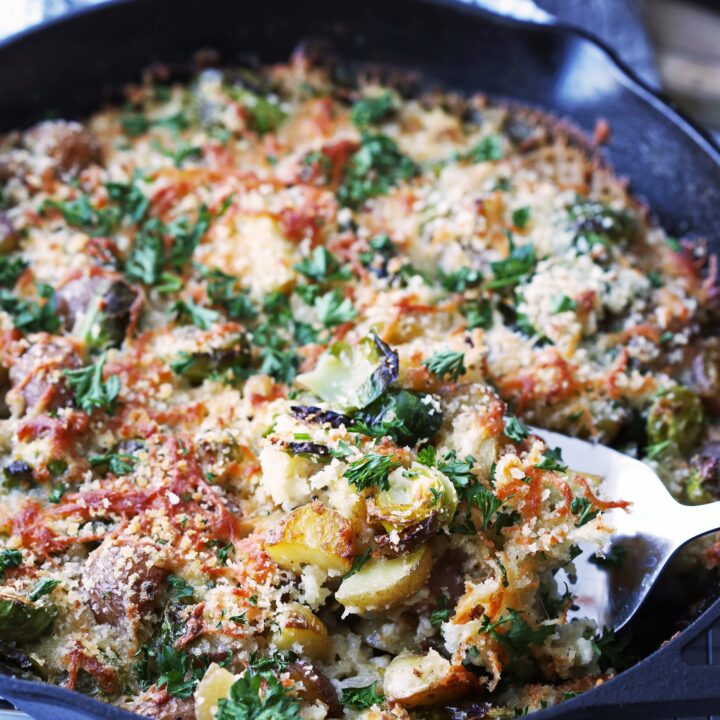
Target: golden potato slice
{"points": [[382, 583], [413, 680], [312, 535], [300, 626], [214, 686]]}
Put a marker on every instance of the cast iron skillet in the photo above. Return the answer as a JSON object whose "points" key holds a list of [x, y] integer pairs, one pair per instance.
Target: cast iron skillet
{"points": [[69, 67]]}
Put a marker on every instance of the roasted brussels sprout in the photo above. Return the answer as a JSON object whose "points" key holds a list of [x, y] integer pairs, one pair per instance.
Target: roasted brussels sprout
{"points": [[676, 416], [22, 620], [227, 355], [412, 496], [350, 377], [595, 222], [706, 372], [703, 484], [97, 309], [407, 417]]}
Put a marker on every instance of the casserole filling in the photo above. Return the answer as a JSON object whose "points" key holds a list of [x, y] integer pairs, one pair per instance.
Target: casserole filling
{"points": [[270, 343]]}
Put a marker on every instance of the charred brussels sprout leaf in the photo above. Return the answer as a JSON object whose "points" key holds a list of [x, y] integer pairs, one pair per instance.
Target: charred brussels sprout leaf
{"points": [[676, 416], [407, 417], [22, 620]]}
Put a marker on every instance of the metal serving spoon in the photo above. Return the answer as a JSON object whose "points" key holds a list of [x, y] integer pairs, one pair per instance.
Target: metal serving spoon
{"points": [[645, 535]]}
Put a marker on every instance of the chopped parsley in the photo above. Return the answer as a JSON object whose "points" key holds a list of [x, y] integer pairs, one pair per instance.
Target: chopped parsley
{"points": [[31, 316], [322, 266], [516, 267], [446, 364], [519, 634], [459, 472], [180, 588], [584, 510], [257, 697], [117, 463], [427, 456], [442, 613], [11, 270], [461, 279], [372, 110], [552, 460], [91, 391], [9, 559], [562, 303], [373, 170], [516, 429], [333, 308], [189, 311], [371, 471], [358, 562], [489, 148], [361, 698], [521, 217], [486, 501], [478, 313], [43, 587]]}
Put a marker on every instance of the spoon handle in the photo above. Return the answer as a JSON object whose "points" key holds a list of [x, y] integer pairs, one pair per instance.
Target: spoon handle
{"points": [[697, 520]]}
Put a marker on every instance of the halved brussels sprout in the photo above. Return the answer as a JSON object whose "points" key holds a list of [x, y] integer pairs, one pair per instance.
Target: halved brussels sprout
{"points": [[407, 417], [677, 417], [412, 496], [350, 377], [224, 355], [312, 535], [214, 686], [298, 625], [380, 583], [413, 680], [706, 372], [22, 620], [105, 320]]}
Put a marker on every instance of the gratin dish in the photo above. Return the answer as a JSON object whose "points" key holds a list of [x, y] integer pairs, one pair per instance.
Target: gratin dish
{"points": [[74, 64]]}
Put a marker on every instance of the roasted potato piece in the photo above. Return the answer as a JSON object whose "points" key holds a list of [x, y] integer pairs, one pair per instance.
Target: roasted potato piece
{"points": [[214, 686], [312, 535], [298, 625], [22, 620], [381, 584], [412, 496], [413, 680]]}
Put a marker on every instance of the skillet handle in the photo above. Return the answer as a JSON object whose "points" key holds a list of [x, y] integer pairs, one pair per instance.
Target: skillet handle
{"points": [[680, 679]]}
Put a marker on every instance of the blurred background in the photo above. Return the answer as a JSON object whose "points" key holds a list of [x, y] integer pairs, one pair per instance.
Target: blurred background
{"points": [[671, 44]]}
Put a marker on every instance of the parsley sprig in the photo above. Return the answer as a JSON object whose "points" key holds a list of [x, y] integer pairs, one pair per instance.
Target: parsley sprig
{"points": [[91, 391], [446, 363], [371, 471]]}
